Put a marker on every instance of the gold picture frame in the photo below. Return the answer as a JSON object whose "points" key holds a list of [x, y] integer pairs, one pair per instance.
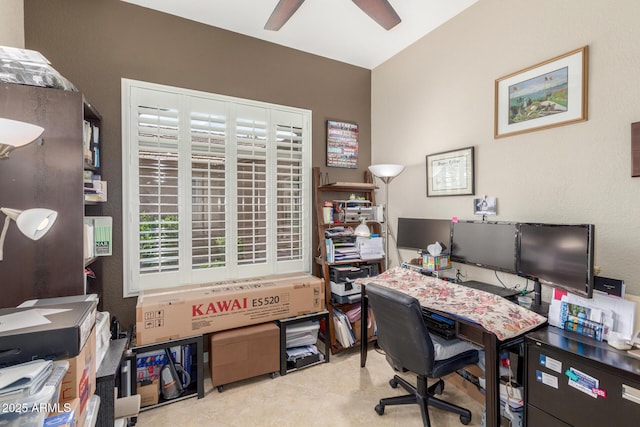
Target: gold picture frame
{"points": [[549, 94]]}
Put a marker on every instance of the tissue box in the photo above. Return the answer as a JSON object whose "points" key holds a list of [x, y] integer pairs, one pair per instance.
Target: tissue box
{"points": [[436, 263]]}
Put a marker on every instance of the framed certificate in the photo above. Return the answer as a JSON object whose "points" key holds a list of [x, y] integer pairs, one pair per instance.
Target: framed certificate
{"points": [[450, 173]]}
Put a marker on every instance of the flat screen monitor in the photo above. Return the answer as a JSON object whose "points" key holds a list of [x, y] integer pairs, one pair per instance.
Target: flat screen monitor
{"points": [[558, 255], [418, 233], [485, 244]]}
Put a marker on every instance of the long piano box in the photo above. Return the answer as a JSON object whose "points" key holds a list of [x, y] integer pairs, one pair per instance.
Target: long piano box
{"points": [[45, 332], [195, 310]]}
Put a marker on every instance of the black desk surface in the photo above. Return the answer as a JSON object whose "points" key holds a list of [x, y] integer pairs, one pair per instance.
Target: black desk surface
{"points": [[587, 348]]}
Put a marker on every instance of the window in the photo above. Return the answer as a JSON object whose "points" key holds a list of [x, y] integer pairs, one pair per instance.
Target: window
{"points": [[214, 187]]}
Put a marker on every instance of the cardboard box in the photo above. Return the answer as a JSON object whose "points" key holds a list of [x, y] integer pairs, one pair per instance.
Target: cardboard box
{"points": [[80, 379], [149, 394], [242, 353], [61, 334], [466, 379], [180, 313], [436, 263]]}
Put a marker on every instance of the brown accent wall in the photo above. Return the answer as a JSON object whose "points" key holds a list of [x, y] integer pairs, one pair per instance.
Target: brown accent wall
{"points": [[95, 43]]}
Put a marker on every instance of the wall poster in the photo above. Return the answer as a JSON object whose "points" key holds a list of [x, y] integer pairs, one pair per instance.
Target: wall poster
{"points": [[342, 144]]}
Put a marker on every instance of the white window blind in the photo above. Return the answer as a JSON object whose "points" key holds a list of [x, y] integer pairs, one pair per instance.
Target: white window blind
{"points": [[214, 187]]}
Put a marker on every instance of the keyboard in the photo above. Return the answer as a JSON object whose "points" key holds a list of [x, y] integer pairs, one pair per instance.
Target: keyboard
{"points": [[508, 293]]}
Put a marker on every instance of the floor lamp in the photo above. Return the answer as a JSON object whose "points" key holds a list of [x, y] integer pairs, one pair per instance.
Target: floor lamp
{"points": [[386, 173]]}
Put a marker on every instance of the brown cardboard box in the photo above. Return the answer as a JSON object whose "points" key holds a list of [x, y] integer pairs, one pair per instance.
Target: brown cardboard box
{"points": [[242, 353], [230, 282], [80, 379], [176, 313], [149, 394], [465, 385]]}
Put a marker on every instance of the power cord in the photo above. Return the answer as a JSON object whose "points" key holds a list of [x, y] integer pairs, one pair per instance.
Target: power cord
{"points": [[503, 285]]}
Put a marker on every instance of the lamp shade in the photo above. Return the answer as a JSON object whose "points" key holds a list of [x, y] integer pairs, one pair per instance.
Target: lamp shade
{"points": [[386, 170], [33, 223], [14, 133], [362, 230]]}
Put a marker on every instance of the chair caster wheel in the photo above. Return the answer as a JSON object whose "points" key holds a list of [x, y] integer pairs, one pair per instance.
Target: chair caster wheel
{"points": [[439, 388], [220, 389], [273, 375], [393, 383], [380, 409], [465, 420]]}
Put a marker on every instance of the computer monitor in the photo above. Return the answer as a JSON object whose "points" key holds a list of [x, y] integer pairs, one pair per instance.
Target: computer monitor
{"points": [[418, 233], [558, 255], [487, 244]]}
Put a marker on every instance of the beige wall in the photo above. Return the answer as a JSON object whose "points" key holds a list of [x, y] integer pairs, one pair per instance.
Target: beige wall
{"points": [[95, 43], [12, 23], [438, 95]]}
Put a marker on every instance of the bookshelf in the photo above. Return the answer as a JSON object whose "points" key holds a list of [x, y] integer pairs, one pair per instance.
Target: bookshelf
{"points": [[340, 191], [94, 197]]}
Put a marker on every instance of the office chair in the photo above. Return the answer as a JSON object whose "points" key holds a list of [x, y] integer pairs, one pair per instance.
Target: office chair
{"points": [[407, 344]]}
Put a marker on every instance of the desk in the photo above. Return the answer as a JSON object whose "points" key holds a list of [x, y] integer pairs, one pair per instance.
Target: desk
{"points": [[413, 284]]}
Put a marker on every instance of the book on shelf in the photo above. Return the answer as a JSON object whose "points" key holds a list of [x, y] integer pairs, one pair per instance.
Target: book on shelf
{"points": [[90, 143], [98, 236], [330, 250], [96, 191]]}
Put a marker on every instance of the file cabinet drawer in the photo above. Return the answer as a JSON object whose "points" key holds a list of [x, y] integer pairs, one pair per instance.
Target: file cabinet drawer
{"points": [[550, 389]]}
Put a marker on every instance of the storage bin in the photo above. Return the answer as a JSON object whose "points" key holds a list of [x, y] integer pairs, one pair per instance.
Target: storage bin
{"points": [[30, 411]]}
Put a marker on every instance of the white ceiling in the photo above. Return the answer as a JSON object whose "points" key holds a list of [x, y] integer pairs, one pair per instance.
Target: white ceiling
{"points": [[335, 29]]}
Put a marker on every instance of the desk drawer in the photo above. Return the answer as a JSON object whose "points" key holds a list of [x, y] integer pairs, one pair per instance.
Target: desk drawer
{"points": [[469, 333], [536, 417]]}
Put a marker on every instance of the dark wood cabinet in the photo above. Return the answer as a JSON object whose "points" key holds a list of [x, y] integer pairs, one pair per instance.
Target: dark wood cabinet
{"points": [[46, 174]]}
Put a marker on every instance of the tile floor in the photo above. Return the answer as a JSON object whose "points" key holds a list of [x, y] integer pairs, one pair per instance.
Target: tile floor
{"points": [[339, 393]]}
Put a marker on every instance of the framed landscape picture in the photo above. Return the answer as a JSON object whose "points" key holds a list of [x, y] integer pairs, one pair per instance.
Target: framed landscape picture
{"points": [[551, 93], [342, 144]]}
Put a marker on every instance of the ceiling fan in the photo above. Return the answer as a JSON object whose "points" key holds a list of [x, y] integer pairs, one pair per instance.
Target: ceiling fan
{"points": [[379, 10]]}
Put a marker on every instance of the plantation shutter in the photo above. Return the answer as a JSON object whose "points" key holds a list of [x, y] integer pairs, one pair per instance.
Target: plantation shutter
{"points": [[208, 192], [215, 188], [290, 201], [251, 185], [158, 128]]}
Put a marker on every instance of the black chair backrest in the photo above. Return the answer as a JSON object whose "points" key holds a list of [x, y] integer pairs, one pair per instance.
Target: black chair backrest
{"points": [[402, 333]]}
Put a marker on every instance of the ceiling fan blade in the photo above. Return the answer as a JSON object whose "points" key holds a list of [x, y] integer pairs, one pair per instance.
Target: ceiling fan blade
{"points": [[380, 11], [281, 14]]}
